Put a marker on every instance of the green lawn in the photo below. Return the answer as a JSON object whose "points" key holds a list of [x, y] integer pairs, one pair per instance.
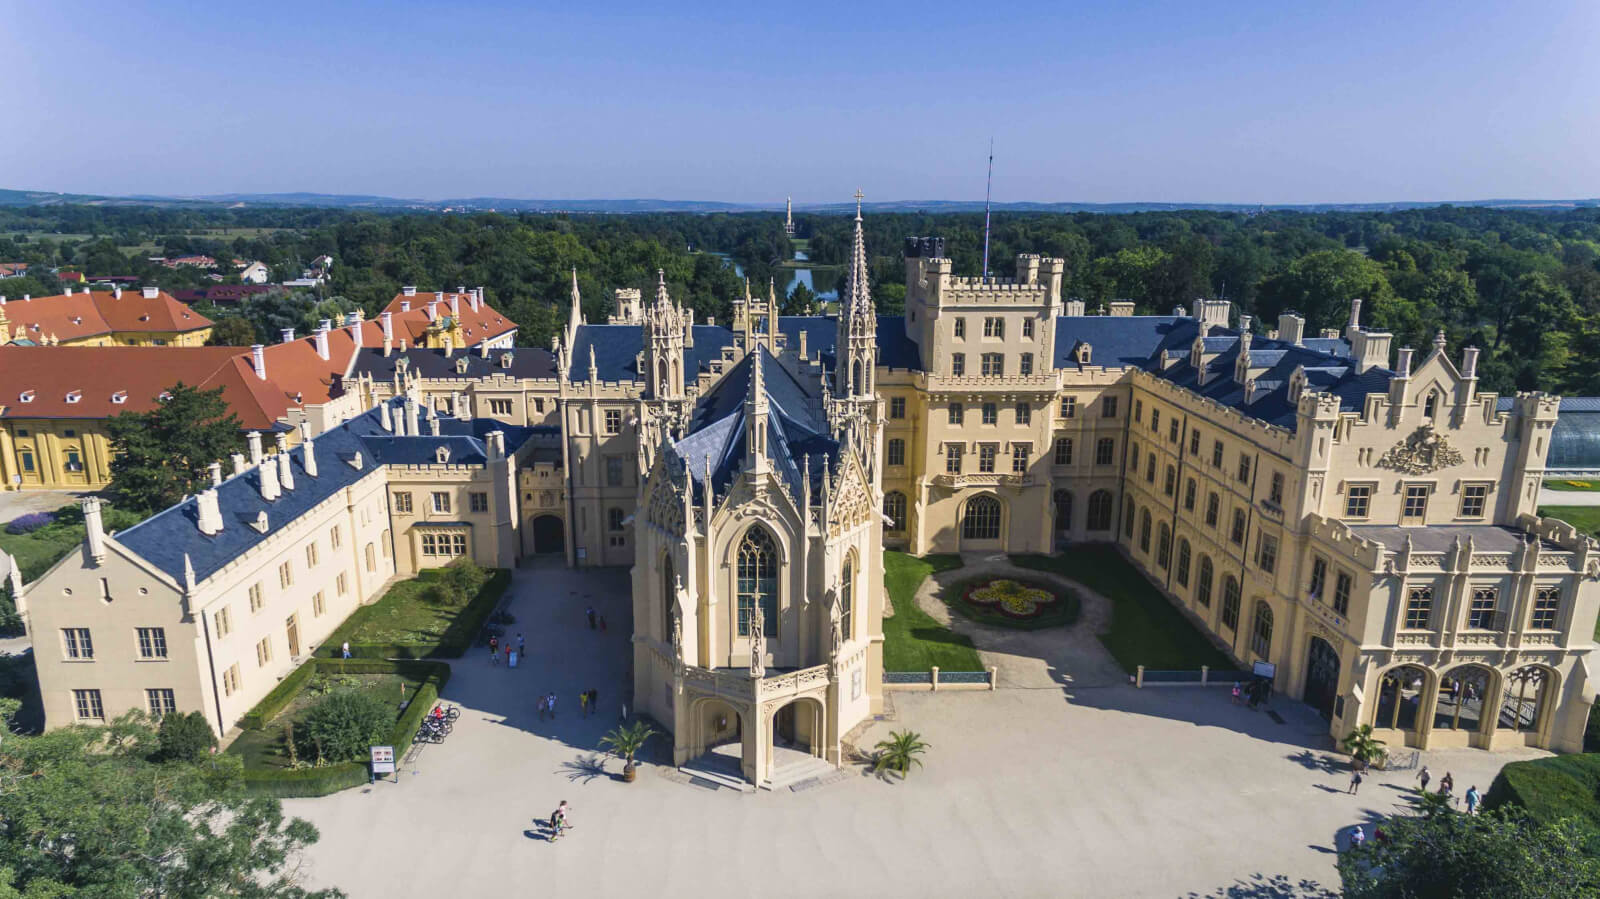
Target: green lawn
{"points": [[36, 552], [405, 623], [1569, 484], [1584, 518], [265, 748], [1146, 629], [1061, 613], [912, 640]]}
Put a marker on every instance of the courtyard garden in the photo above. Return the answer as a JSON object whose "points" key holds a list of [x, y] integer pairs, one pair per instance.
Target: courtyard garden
{"points": [[1012, 603], [1575, 484], [1146, 629], [435, 615], [912, 639]]}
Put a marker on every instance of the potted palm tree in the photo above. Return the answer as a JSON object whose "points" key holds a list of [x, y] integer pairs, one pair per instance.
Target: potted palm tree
{"points": [[899, 752], [1364, 748], [625, 741]]}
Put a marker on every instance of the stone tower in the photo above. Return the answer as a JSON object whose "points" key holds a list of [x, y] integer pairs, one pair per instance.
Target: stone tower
{"points": [[664, 326], [857, 353]]}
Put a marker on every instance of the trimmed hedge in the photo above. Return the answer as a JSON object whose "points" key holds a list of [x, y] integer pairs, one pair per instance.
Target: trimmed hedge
{"points": [[310, 782], [453, 644], [280, 697], [1563, 786]]}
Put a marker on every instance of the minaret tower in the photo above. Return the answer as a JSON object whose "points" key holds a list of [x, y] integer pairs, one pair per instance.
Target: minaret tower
{"points": [[857, 351], [663, 342], [788, 216]]}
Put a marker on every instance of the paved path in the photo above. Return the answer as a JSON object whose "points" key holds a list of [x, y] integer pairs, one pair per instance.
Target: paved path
{"points": [[20, 502], [1049, 658], [1110, 792], [1548, 497]]}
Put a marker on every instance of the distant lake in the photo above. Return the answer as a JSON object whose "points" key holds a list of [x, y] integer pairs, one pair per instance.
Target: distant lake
{"points": [[824, 282]]}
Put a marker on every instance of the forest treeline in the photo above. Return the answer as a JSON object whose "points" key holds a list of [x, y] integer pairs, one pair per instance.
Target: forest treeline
{"points": [[1522, 284]]}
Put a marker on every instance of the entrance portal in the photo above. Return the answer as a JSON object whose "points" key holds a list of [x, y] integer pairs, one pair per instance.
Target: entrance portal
{"points": [[1322, 676], [548, 534]]}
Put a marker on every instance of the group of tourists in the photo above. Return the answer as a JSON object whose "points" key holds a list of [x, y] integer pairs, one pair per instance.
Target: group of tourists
{"points": [[513, 652]]}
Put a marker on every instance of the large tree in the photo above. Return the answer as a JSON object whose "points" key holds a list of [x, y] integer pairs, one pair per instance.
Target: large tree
{"points": [[162, 455], [1499, 854], [84, 811]]}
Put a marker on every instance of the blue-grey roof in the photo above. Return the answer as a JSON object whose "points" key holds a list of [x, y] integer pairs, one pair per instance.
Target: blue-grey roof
{"points": [[617, 348], [166, 537], [1118, 340], [895, 348], [521, 362]]}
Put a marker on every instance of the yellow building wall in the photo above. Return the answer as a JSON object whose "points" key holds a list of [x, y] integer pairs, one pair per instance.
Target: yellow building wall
{"points": [[54, 454]]}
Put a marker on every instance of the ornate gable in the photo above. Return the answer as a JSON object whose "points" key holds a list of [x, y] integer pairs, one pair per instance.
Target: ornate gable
{"points": [[1425, 451]]}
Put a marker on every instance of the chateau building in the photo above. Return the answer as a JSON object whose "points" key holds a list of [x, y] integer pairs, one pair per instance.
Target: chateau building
{"points": [[150, 317], [1361, 518]]}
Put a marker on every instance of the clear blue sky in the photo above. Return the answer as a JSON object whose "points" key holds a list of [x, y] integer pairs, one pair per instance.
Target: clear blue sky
{"points": [[1282, 102]]}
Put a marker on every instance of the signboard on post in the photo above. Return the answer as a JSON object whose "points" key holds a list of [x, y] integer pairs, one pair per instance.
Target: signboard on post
{"points": [[1264, 669], [383, 762]]}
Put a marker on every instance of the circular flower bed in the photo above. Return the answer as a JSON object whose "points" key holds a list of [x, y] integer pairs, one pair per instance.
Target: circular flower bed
{"points": [[1012, 603], [1009, 597]]}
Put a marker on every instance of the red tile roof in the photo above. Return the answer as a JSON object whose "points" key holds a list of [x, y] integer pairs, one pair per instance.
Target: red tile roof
{"points": [[478, 325], [90, 313]]}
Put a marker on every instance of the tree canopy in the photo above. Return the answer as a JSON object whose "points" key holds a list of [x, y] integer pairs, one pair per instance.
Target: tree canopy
{"points": [[162, 455]]}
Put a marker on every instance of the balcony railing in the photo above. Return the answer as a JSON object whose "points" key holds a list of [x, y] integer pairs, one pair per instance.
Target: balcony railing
{"points": [[982, 479]]}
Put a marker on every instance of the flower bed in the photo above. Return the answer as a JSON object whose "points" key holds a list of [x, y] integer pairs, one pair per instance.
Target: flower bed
{"points": [[1009, 602]]}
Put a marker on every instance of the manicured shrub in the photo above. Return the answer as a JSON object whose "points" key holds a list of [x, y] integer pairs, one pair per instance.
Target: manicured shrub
{"points": [[185, 737], [27, 524], [343, 726]]}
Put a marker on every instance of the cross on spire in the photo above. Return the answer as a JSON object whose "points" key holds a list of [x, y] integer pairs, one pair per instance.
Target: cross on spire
{"points": [[859, 196]]}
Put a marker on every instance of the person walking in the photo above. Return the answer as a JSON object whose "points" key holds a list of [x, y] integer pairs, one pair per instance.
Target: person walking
{"points": [[507, 650], [1238, 694], [522, 646], [494, 650], [550, 702], [583, 704], [1355, 781], [345, 649], [1473, 798], [1424, 776], [589, 613], [558, 821], [540, 705], [1357, 837]]}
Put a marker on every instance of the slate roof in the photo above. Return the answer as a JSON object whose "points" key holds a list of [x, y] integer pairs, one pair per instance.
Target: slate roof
{"points": [[617, 349], [526, 362], [166, 537]]}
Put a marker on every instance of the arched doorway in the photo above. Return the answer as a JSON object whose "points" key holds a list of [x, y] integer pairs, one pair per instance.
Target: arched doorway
{"points": [[1101, 506], [548, 534], [1063, 500], [1522, 702], [1462, 693], [980, 523], [1400, 698], [798, 727], [1322, 676]]}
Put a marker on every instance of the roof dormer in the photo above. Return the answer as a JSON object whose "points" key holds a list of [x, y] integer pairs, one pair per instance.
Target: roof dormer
{"points": [[74, 396]]}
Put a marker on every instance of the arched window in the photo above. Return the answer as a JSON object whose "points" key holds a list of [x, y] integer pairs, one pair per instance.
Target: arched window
{"points": [[1399, 698], [669, 596], [1171, 486], [1261, 631], [982, 519], [1099, 511], [372, 562], [1461, 696], [1202, 589], [1525, 689], [1063, 510], [661, 377], [1230, 602], [1183, 563], [847, 595], [855, 377], [614, 518], [1144, 531], [758, 581], [1164, 546], [894, 506]]}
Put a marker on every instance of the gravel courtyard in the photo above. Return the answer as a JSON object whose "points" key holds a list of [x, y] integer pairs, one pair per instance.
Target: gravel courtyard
{"points": [[1026, 792]]}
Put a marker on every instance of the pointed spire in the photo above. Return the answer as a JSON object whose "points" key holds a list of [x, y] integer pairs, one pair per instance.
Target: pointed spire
{"points": [[575, 315], [188, 574], [859, 300], [663, 299], [594, 370], [755, 413]]}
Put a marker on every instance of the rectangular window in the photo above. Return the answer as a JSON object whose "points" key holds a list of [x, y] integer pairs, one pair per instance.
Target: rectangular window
{"points": [[1194, 443], [1025, 364], [402, 502], [1155, 421], [986, 454], [1069, 407], [952, 458], [994, 365], [1216, 454], [223, 621], [991, 413], [897, 451], [458, 544], [160, 702], [961, 328], [1357, 500], [76, 644], [1172, 431], [88, 705], [1341, 594], [1474, 499], [1480, 616], [152, 642], [994, 327], [334, 537], [1416, 507], [1244, 469], [318, 604], [285, 577], [1105, 451], [1267, 552], [1188, 495], [954, 413], [441, 501], [613, 471], [1138, 410], [1108, 407], [958, 364], [256, 601], [230, 680], [1546, 606], [613, 421], [1019, 456], [500, 407], [479, 501], [1319, 577], [340, 584], [1213, 509], [264, 651], [1419, 606], [1237, 534], [897, 407], [1027, 328], [1275, 492], [311, 555], [1024, 413], [1063, 451]]}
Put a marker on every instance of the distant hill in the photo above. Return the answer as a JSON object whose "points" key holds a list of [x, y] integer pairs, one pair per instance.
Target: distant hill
{"points": [[506, 204]]}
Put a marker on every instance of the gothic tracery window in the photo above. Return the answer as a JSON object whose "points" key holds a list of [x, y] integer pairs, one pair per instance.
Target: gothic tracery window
{"points": [[758, 581]]}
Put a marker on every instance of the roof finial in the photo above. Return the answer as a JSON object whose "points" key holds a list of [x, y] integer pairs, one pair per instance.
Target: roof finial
{"points": [[662, 298], [1439, 340], [859, 196]]}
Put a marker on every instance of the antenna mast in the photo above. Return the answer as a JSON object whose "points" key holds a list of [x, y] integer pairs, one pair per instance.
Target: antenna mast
{"points": [[988, 190]]}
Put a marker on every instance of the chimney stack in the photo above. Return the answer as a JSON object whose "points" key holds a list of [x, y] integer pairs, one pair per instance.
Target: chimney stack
{"points": [[267, 472], [409, 291], [287, 334], [151, 293], [476, 298], [411, 417], [308, 454], [95, 533], [1291, 328], [116, 293], [215, 469], [258, 359], [387, 322], [238, 463], [384, 417], [455, 306], [69, 291], [210, 512], [322, 340], [285, 473], [405, 305], [1354, 324], [449, 345], [254, 440], [433, 311], [497, 445]]}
